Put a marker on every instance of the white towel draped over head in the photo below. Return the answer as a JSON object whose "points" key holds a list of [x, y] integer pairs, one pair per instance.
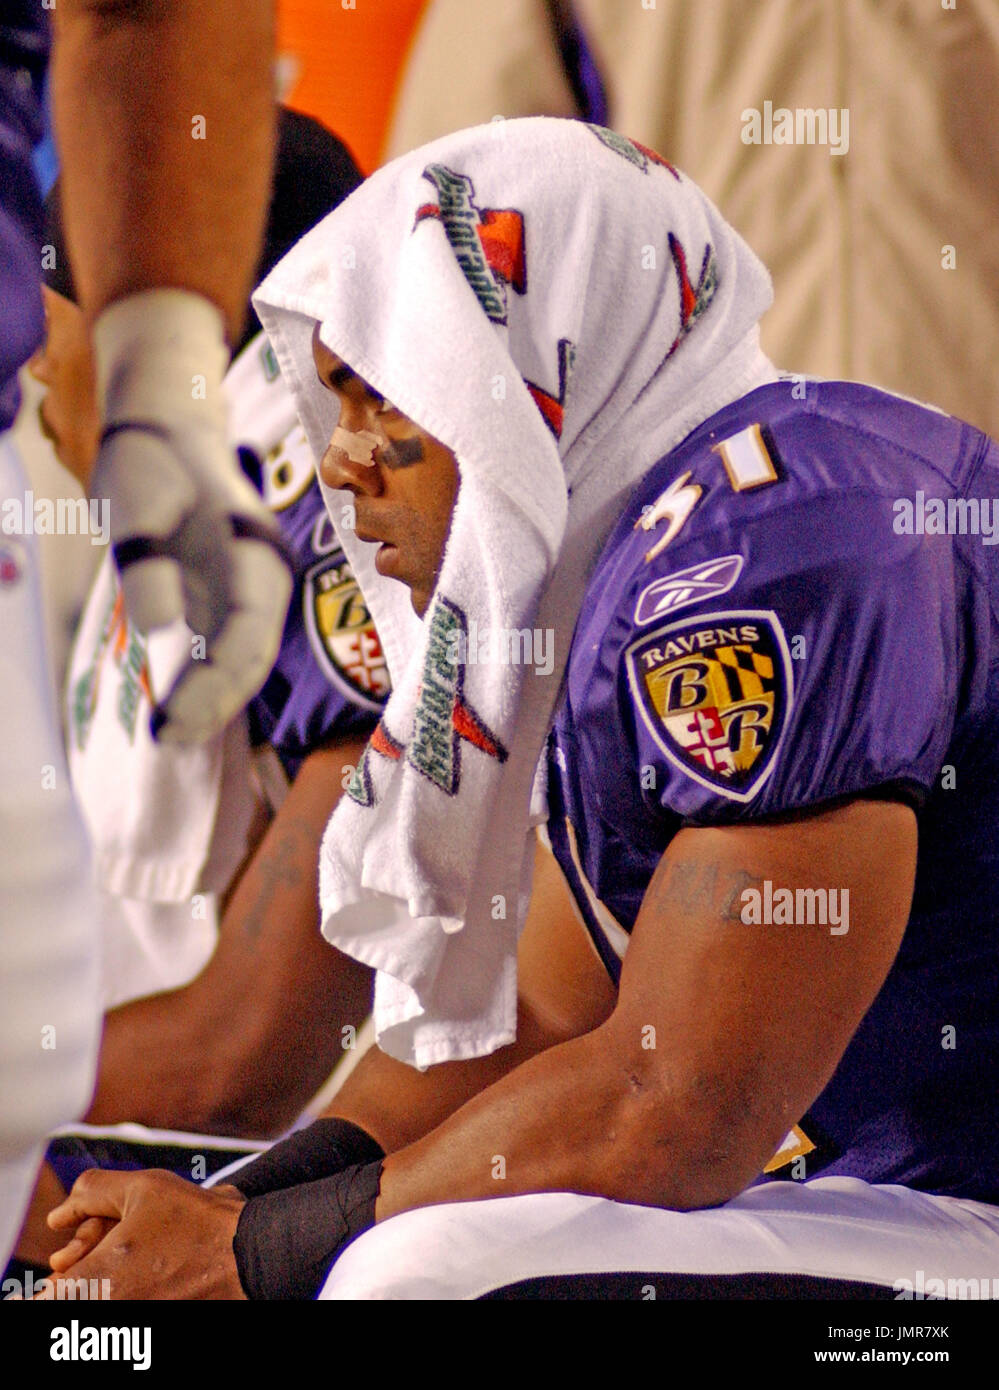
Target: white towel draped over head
{"points": [[559, 307]]}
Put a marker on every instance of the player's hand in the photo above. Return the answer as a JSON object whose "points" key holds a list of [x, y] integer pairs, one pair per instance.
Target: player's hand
{"points": [[89, 1235], [190, 535], [153, 1235]]}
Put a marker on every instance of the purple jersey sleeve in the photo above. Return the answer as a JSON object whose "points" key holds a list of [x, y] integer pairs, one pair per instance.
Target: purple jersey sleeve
{"points": [[23, 55], [790, 646], [818, 624], [822, 674]]}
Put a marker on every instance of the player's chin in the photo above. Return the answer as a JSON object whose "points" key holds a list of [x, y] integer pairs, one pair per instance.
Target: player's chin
{"points": [[420, 593], [420, 599]]}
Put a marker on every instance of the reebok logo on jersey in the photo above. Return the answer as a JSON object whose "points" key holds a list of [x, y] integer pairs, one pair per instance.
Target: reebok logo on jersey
{"points": [[714, 692], [692, 585]]}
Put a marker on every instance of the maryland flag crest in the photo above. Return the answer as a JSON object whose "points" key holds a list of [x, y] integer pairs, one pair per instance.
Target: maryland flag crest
{"points": [[342, 634], [715, 693], [488, 243]]}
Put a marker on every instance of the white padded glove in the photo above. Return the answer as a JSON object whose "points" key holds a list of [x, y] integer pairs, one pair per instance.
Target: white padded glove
{"points": [[190, 535]]}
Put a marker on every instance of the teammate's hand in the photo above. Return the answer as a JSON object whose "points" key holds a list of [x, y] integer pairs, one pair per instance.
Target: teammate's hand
{"points": [[190, 535], [153, 1235]]}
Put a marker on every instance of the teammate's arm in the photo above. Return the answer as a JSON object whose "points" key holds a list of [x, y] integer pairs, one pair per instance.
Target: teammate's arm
{"points": [[164, 115], [224, 1054], [150, 195], [227, 1053]]}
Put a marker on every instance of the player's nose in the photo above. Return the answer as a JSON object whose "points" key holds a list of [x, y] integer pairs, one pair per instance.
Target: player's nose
{"points": [[350, 462]]}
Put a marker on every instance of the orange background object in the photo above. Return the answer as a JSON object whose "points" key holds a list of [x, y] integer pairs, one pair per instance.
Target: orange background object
{"points": [[345, 65]]}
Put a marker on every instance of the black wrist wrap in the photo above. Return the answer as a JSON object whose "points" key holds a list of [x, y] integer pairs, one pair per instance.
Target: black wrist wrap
{"points": [[287, 1240], [324, 1148]]}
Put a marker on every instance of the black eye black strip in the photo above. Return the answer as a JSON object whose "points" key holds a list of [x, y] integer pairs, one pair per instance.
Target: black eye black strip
{"points": [[402, 453]]}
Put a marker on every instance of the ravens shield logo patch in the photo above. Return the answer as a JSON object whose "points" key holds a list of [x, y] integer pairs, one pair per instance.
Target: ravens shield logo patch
{"points": [[342, 634], [715, 692]]}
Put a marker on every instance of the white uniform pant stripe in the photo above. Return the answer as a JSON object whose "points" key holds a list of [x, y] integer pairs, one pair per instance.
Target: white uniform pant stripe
{"points": [[838, 1228]]}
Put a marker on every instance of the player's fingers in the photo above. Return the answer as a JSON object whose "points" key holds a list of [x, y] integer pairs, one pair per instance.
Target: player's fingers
{"points": [[199, 704], [63, 1287], [247, 645], [96, 1192], [150, 495], [89, 1234], [151, 583], [236, 661], [149, 489]]}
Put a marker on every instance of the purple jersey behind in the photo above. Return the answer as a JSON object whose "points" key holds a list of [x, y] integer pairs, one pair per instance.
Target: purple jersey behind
{"points": [[23, 57], [805, 635]]}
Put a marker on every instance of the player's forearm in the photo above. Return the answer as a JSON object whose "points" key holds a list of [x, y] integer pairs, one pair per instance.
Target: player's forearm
{"points": [[277, 1005], [230, 1053], [169, 1064], [693, 1119], [272, 1045], [226, 1054], [164, 113], [396, 1104], [585, 1116]]}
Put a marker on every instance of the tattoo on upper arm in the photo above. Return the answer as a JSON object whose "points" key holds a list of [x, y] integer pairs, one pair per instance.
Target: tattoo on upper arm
{"points": [[687, 885], [279, 865], [740, 881]]}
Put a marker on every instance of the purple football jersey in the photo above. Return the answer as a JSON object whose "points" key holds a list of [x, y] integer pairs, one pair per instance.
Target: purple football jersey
{"points": [[819, 624], [23, 57]]}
